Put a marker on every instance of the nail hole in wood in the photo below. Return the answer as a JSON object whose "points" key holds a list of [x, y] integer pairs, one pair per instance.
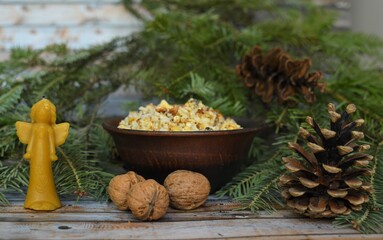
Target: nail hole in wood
{"points": [[64, 227]]}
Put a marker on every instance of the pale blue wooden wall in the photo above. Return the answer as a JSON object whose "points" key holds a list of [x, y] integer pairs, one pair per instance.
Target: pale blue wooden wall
{"points": [[79, 23]]}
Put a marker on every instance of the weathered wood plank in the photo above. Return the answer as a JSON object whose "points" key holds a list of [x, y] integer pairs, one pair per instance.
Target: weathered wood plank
{"points": [[218, 218], [100, 207], [316, 237], [66, 15], [173, 230], [212, 204], [125, 216]]}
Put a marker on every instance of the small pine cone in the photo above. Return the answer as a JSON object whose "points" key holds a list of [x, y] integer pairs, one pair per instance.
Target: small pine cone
{"points": [[327, 181], [277, 75]]}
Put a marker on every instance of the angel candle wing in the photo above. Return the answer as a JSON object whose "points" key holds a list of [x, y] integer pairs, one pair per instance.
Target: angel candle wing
{"points": [[42, 136]]}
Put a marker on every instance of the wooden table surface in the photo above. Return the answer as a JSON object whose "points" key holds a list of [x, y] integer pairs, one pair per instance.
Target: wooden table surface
{"points": [[218, 218]]}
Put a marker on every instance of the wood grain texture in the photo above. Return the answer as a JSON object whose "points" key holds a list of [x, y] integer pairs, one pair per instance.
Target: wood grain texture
{"points": [[127, 216], [213, 204], [217, 218], [169, 230]]}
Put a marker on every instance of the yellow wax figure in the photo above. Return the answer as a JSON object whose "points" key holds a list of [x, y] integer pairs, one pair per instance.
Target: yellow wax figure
{"points": [[42, 137]]}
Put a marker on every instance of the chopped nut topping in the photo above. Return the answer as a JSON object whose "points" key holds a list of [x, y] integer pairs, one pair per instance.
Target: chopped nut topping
{"points": [[191, 116]]}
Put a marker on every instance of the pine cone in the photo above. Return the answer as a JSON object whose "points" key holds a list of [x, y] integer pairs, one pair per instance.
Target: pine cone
{"points": [[276, 74], [328, 180]]}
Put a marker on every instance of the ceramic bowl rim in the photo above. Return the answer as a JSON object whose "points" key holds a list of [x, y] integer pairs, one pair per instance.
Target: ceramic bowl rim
{"points": [[108, 125]]}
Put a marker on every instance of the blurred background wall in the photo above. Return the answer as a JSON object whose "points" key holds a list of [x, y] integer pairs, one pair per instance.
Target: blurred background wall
{"points": [[80, 23], [367, 17]]}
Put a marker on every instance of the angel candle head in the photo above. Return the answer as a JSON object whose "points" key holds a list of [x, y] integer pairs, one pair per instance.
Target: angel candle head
{"points": [[42, 136]]}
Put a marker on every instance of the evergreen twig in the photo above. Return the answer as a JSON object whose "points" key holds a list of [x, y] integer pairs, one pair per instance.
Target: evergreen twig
{"points": [[190, 48], [74, 170]]}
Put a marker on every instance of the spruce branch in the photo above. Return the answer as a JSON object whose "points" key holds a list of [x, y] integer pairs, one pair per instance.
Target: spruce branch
{"points": [[279, 121], [365, 221], [190, 73], [256, 186], [240, 185], [9, 98], [3, 199], [7, 139], [14, 177], [203, 40], [358, 222], [44, 91], [80, 190], [257, 200]]}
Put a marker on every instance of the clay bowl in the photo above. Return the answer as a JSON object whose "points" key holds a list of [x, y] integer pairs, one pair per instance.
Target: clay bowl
{"points": [[154, 154]]}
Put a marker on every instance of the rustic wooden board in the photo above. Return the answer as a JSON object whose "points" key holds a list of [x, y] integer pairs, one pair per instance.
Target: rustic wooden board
{"points": [[126, 216], [218, 218], [214, 208], [169, 230], [88, 211], [88, 205]]}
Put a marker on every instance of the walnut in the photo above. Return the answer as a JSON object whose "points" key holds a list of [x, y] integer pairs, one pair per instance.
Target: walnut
{"points": [[119, 187], [148, 200], [187, 190]]}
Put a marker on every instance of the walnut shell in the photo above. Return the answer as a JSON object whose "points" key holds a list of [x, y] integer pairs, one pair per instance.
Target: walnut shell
{"points": [[148, 200], [119, 187], [187, 190]]}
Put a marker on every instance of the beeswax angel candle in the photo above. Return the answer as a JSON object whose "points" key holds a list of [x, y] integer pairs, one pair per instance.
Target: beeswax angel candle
{"points": [[42, 137]]}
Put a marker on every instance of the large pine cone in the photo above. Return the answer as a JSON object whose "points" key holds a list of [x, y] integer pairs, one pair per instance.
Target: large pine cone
{"points": [[277, 75], [328, 180]]}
